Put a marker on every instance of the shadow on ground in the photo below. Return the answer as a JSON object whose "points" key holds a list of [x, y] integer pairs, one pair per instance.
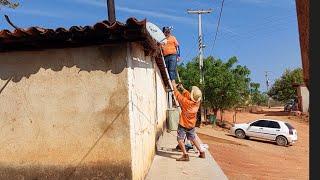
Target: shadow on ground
{"points": [[255, 139], [273, 113], [212, 139], [167, 154], [172, 153]]}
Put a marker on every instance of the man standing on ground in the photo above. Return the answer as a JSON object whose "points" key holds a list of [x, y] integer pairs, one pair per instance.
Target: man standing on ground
{"points": [[171, 52], [189, 103]]}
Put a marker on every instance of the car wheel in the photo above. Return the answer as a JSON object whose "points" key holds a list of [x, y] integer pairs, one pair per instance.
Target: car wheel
{"points": [[281, 141], [240, 133]]}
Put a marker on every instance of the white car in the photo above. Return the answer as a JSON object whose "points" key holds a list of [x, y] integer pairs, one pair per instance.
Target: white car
{"points": [[282, 132]]}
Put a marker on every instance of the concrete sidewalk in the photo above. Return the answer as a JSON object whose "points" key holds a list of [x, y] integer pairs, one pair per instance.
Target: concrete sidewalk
{"points": [[165, 166]]}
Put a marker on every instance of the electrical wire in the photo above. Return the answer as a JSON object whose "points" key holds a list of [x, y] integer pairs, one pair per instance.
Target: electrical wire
{"points": [[215, 37], [254, 34], [260, 28], [188, 58]]}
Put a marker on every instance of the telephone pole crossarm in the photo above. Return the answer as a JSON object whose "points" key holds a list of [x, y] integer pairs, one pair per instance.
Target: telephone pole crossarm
{"points": [[199, 11]]}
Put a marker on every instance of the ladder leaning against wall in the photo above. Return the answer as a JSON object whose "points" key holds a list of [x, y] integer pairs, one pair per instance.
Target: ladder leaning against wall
{"points": [[173, 111]]}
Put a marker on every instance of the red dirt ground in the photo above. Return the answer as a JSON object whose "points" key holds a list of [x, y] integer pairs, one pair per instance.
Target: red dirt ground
{"points": [[258, 159]]}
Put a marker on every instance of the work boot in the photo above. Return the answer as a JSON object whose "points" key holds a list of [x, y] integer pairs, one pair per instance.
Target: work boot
{"points": [[184, 157], [202, 155]]}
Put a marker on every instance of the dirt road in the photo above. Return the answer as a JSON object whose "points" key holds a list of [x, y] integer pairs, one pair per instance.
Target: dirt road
{"points": [[256, 159]]}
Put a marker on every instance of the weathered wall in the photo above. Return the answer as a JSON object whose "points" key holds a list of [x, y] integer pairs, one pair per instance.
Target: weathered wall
{"points": [[148, 105], [303, 95], [162, 102], [64, 113]]}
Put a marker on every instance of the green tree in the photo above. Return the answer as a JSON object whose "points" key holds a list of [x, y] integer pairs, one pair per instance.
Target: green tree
{"points": [[257, 98], [282, 90], [8, 3], [226, 85]]}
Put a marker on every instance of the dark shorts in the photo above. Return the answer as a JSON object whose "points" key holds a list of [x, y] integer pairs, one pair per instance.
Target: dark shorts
{"points": [[182, 132]]}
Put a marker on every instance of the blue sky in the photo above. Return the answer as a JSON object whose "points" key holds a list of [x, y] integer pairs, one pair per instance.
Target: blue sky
{"points": [[262, 34]]}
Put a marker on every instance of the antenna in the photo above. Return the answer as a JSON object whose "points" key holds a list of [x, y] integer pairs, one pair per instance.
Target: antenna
{"points": [[156, 33]]}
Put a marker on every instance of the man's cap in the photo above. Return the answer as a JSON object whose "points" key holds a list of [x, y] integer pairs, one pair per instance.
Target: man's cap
{"points": [[196, 94], [167, 29]]}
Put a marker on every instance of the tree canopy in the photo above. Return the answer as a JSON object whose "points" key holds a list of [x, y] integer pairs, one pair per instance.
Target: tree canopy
{"points": [[257, 98], [226, 84], [282, 90]]}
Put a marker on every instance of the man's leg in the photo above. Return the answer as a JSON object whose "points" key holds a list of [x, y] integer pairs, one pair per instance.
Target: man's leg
{"points": [[182, 146], [172, 66], [196, 143], [192, 137], [180, 138], [167, 61]]}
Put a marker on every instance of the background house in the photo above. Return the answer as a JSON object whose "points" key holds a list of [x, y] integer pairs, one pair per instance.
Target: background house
{"points": [[302, 94], [81, 102]]}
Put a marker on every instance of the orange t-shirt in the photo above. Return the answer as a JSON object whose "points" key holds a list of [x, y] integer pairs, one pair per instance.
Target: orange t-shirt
{"points": [[189, 109], [171, 46]]}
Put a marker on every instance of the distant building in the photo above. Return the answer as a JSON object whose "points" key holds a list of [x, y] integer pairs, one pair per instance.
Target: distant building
{"points": [[302, 94], [80, 103]]}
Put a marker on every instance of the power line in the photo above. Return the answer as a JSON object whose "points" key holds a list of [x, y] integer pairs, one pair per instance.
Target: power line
{"points": [[265, 24], [237, 47], [215, 37], [265, 20], [261, 28], [272, 21], [187, 57], [253, 34]]}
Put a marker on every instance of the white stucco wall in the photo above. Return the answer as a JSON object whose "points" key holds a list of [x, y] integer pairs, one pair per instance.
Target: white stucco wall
{"points": [[90, 112], [162, 101], [147, 108], [303, 94], [65, 112]]}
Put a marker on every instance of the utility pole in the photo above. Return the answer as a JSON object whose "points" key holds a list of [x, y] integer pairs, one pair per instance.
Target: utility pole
{"points": [[111, 11], [201, 46], [267, 83]]}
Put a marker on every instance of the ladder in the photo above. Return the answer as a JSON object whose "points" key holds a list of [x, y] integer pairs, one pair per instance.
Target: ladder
{"points": [[170, 84]]}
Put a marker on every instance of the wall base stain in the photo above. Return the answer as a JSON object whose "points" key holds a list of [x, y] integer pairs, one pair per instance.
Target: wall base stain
{"points": [[103, 171]]}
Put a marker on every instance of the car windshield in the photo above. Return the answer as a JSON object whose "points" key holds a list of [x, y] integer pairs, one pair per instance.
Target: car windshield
{"points": [[251, 121], [289, 125]]}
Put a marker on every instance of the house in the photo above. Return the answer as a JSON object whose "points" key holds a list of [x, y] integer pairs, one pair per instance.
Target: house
{"points": [[77, 103], [302, 94]]}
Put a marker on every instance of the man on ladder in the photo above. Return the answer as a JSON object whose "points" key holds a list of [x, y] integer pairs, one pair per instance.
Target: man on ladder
{"points": [[171, 52]]}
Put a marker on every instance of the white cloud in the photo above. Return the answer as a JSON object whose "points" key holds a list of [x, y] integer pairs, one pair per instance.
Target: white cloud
{"points": [[180, 19], [158, 15], [93, 3], [275, 3], [255, 1], [35, 12]]}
